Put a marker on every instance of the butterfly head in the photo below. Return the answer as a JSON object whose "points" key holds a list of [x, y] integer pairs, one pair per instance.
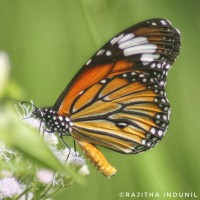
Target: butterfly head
{"points": [[44, 114], [38, 112]]}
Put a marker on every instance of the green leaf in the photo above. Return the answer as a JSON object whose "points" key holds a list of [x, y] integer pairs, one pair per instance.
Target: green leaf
{"points": [[19, 136]]}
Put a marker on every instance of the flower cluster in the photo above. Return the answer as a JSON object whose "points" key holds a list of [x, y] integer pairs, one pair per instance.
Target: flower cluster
{"points": [[20, 177], [33, 182]]}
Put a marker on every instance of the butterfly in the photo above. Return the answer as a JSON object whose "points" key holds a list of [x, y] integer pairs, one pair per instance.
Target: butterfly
{"points": [[117, 100]]}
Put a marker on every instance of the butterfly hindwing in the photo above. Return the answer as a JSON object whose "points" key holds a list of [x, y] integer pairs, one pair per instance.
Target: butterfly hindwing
{"points": [[131, 118]]}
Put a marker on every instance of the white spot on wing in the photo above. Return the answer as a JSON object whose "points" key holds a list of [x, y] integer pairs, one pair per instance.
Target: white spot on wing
{"points": [[147, 58], [88, 62], [70, 123], [162, 82], [140, 49], [153, 65], [178, 31], [60, 118], [126, 150], [126, 37], [144, 80], [160, 132], [133, 73], [122, 124], [133, 42], [143, 141], [67, 119], [159, 65], [103, 81], [100, 52], [62, 123], [168, 66], [81, 92], [152, 80], [116, 39], [153, 130], [108, 53], [163, 22]]}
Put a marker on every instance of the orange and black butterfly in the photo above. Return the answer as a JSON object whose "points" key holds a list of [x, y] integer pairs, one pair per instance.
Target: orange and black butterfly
{"points": [[117, 100]]}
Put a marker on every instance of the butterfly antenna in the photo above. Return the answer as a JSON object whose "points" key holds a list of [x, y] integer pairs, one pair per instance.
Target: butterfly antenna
{"points": [[24, 111]]}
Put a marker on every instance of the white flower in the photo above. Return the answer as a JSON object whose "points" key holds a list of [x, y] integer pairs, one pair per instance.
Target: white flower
{"points": [[68, 156], [76, 160], [45, 176], [6, 173], [34, 123], [84, 170], [25, 111], [71, 157], [50, 138], [9, 187]]}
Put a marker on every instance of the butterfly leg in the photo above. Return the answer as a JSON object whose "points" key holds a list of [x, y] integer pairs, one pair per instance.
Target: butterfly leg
{"points": [[44, 131], [75, 148], [69, 149]]}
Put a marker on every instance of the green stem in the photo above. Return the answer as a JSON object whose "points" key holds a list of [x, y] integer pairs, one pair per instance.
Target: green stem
{"points": [[24, 192], [43, 194]]}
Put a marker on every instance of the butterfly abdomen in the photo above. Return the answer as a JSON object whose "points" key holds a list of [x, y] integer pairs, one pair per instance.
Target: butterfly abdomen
{"points": [[97, 159]]}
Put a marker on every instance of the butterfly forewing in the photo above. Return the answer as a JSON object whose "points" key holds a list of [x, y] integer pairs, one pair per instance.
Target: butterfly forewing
{"points": [[117, 100]]}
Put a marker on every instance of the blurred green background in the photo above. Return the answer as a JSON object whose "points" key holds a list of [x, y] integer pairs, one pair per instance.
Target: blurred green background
{"points": [[48, 41]]}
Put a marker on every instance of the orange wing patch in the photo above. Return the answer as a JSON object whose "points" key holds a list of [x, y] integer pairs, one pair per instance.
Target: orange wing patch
{"points": [[145, 122], [87, 97], [121, 67], [144, 107], [113, 142], [133, 87], [132, 99], [89, 77], [148, 109], [113, 85], [98, 108], [109, 128]]}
